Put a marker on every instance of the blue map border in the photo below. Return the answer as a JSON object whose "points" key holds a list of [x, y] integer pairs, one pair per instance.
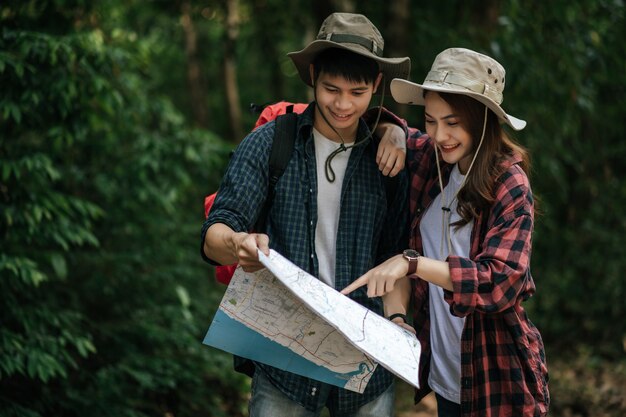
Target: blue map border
{"points": [[234, 337]]}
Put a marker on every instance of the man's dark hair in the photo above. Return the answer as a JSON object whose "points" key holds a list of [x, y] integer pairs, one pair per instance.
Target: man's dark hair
{"points": [[347, 64]]}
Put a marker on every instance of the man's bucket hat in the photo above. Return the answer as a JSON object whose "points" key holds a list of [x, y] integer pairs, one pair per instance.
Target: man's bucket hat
{"points": [[461, 71], [353, 32]]}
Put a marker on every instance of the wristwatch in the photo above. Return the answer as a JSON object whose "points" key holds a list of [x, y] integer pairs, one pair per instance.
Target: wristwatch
{"points": [[412, 256]]}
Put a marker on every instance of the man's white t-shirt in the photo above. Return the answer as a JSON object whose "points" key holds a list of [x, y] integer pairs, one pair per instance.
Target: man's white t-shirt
{"points": [[328, 204]]}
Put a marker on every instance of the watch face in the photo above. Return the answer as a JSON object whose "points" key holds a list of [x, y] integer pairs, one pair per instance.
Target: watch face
{"points": [[411, 253]]}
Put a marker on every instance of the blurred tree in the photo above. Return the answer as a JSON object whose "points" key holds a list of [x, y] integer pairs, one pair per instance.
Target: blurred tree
{"points": [[195, 80], [570, 80], [230, 67], [103, 295]]}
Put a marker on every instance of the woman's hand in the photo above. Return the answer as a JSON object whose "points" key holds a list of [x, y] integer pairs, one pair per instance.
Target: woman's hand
{"points": [[404, 325], [381, 279]]}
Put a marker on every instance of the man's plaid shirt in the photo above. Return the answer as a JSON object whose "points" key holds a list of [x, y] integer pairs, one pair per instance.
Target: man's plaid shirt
{"points": [[370, 229], [503, 364]]}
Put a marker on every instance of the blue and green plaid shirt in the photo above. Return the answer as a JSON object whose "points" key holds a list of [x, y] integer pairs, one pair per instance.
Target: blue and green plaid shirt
{"points": [[370, 229]]}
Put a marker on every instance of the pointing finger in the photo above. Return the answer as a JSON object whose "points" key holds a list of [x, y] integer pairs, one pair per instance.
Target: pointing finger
{"points": [[358, 283]]}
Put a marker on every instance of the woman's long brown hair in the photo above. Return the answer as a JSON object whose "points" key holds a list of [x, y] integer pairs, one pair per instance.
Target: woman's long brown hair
{"points": [[478, 192]]}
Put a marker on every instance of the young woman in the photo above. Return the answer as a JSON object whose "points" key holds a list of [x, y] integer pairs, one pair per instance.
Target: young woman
{"points": [[469, 262]]}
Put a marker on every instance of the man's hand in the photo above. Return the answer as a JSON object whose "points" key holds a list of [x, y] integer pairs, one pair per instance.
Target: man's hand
{"points": [[391, 153], [381, 279], [245, 247], [226, 247]]}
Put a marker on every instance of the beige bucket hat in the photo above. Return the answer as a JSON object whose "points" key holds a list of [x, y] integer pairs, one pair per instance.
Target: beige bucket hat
{"points": [[461, 71], [353, 32]]}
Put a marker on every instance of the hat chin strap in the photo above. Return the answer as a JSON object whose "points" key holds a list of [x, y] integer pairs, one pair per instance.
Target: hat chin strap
{"points": [[446, 212], [328, 169]]}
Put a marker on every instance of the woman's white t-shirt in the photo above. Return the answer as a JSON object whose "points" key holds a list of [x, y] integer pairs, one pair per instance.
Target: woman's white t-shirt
{"points": [[445, 329]]}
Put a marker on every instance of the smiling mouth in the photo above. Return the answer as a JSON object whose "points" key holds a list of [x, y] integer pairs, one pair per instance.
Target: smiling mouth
{"points": [[340, 116], [448, 148]]}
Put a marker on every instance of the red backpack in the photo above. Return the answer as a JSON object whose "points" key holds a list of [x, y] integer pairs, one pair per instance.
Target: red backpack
{"points": [[282, 148]]}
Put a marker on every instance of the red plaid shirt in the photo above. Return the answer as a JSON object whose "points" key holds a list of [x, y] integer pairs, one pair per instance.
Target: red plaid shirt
{"points": [[503, 364]]}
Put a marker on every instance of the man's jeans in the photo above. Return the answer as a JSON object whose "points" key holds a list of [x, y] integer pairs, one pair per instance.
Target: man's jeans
{"points": [[268, 401]]}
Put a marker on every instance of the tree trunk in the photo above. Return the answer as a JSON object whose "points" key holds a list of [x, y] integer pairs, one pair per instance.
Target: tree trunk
{"points": [[195, 81], [266, 17], [323, 8], [230, 69], [397, 42], [347, 6]]}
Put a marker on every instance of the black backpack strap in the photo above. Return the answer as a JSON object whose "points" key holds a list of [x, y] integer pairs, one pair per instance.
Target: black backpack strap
{"points": [[282, 149]]}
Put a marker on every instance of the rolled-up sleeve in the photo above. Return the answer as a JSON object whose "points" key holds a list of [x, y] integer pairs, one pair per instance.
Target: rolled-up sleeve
{"points": [[243, 189], [492, 280]]}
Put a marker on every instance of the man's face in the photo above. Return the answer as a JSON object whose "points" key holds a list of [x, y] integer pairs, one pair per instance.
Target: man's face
{"points": [[342, 102]]}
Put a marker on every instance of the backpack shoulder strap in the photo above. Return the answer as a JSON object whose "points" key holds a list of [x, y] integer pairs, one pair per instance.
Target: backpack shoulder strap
{"points": [[283, 144], [280, 154]]}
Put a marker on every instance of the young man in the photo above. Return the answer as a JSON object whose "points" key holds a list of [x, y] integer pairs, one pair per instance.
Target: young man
{"points": [[330, 214]]}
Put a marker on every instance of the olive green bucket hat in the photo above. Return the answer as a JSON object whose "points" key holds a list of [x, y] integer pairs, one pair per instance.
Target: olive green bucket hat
{"points": [[461, 71], [353, 32]]}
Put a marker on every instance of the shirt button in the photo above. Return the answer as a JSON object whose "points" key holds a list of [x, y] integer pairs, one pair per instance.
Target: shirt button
{"points": [[313, 391], [311, 256]]}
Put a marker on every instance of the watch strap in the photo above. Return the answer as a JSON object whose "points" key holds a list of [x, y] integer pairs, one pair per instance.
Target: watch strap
{"points": [[412, 256], [396, 315], [412, 266]]}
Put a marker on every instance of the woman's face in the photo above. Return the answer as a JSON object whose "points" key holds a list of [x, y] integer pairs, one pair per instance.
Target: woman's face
{"points": [[445, 128]]}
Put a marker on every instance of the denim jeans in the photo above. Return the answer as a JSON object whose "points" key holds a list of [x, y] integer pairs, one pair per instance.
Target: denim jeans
{"points": [[268, 401]]}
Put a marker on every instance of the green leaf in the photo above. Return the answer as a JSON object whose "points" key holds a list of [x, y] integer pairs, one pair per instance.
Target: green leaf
{"points": [[16, 113], [59, 265]]}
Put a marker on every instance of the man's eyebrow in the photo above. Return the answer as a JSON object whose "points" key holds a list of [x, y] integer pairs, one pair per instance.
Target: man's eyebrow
{"points": [[359, 88]]}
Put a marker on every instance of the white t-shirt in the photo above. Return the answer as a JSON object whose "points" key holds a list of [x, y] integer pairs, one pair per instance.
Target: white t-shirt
{"points": [[445, 329], [328, 204]]}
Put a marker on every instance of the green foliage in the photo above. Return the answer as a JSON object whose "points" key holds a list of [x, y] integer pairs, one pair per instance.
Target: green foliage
{"points": [[570, 86], [104, 297]]}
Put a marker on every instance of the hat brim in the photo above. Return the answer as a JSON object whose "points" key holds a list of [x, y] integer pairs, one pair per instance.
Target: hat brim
{"points": [[406, 92], [390, 67]]}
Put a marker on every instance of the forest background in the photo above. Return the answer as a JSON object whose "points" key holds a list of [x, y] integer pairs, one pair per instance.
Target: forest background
{"points": [[117, 118]]}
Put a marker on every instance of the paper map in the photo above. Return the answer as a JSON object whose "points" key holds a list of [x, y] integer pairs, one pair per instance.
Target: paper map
{"points": [[284, 317]]}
